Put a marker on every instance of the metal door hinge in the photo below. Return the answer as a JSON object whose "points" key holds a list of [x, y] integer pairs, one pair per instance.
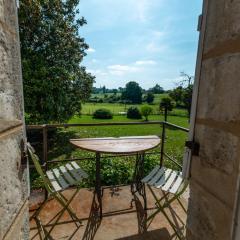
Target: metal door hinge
{"points": [[193, 146]]}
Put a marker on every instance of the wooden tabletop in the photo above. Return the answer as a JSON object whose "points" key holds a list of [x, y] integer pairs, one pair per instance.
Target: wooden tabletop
{"points": [[120, 145]]}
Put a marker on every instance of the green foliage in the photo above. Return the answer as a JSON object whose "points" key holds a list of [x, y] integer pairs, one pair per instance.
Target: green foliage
{"points": [[134, 113], [55, 84], [102, 114], [166, 103], [113, 170], [146, 111], [149, 97], [157, 89], [183, 93], [177, 95], [187, 98], [132, 92]]}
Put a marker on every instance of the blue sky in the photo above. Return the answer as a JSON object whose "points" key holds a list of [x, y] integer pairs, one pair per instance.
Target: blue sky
{"points": [[147, 41]]}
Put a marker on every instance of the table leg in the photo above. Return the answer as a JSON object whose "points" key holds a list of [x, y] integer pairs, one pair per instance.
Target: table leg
{"points": [[98, 186], [137, 185]]}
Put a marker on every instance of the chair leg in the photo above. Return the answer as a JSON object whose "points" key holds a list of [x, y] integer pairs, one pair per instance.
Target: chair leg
{"points": [[65, 205], [38, 210], [42, 230], [161, 209], [70, 210]]}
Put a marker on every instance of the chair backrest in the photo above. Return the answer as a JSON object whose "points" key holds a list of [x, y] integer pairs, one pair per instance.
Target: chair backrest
{"points": [[38, 167]]}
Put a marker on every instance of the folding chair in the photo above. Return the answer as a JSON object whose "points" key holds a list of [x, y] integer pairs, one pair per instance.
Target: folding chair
{"points": [[172, 184], [55, 181]]}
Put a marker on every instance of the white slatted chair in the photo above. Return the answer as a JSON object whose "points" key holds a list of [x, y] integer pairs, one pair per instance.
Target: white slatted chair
{"points": [[55, 181], [171, 183]]}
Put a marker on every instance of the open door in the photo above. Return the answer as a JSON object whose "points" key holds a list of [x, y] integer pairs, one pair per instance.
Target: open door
{"points": [[191, 146]]}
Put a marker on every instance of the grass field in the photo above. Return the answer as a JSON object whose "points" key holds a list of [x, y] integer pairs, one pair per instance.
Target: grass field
{"points": [[117, 170], [116, 108], [114, 170]]}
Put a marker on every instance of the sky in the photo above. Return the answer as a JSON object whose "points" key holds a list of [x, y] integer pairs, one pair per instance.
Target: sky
{"points": [[147, 41]]}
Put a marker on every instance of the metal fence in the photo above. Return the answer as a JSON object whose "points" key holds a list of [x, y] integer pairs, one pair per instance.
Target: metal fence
{"points": [[46, 127]]}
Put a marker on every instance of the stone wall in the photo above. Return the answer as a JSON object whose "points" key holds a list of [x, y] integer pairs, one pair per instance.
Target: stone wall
{"points": [[214, 172], [13, 172]]}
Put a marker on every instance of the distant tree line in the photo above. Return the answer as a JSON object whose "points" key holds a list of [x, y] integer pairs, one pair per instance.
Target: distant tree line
{"points": [[131, 94], [180, 97]]}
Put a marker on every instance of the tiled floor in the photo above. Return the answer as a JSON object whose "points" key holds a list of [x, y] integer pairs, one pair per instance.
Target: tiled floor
{"points": [[120, 221]]}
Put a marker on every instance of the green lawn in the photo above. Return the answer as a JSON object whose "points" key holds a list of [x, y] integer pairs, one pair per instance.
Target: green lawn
{"points": [[114, 170], [116, 108]]}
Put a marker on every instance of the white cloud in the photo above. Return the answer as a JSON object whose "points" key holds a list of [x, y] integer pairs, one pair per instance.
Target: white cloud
{"points": [[90, 50], [155, 47], [121, 69], [97, 72], [146, 62]]}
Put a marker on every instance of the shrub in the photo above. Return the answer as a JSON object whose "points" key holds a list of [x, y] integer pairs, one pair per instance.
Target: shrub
{"points": [[146, 111], [134, 113], [102, 113]]}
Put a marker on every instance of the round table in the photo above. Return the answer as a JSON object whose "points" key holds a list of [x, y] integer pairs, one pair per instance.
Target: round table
{"points": [[122, 145]]}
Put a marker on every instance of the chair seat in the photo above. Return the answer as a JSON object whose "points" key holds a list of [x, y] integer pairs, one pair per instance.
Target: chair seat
{"points": [[167, 179], [68, 175]]}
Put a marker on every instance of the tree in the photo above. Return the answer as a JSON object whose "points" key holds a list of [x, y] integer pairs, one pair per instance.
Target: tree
{"points": [[188, 91], [156, 89], [132, 92], [149, 97], [55, 84], [146, 111], [104, 90], [187, 98], [166, 104], [177, 95]]}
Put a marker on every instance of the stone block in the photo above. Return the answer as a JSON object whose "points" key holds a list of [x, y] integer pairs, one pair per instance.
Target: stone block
{"points": [[218, 149], [218, 183], [10, 78], [208, 218], [219, 96], [1, 9], [13, 184], [8, 15], [222, 22]]}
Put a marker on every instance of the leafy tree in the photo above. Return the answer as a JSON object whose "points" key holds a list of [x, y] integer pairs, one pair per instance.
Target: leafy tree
{"points": [[54, 82], [166, 103], [183, 93], [149, 97], [133, 92], [177, 95], [187, 98], [134, 113], [146, 111], [104, 90], [157, 89]]}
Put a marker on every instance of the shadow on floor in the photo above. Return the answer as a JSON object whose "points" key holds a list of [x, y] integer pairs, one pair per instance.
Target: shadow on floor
{"points": [[119, 222], [94, 221], [158, 234]]}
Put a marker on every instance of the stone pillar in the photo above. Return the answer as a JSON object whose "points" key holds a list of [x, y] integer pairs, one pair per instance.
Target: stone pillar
{"points": [[213, 183], [13, 170]]}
